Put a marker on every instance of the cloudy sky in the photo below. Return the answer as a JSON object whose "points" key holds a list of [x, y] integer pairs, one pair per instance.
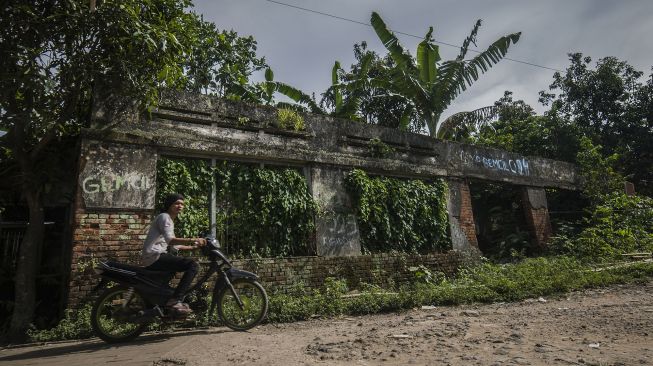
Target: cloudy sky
{"points": [[301, 46]]}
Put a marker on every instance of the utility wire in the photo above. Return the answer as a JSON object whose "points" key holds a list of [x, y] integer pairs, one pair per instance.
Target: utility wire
{"points": [[402, 33]]}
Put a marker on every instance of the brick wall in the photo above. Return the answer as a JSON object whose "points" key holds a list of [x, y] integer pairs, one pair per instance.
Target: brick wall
{"points": [[537, 215], [99, 236], [467, 215], [539, 224], [279, 274], [102, 235]]}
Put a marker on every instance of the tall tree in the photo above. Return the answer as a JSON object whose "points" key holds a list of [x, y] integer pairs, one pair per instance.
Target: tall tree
{"points": [[518, 129], [612, 105], [53, 55], [222, 63], [428, 85], [353, 95]]}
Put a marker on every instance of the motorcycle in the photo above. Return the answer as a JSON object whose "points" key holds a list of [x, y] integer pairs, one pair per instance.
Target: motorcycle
{"points": [[135, 297]]}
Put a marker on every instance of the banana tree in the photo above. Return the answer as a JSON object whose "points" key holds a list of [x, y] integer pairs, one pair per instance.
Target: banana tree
{"points": [[264, 93], [346, 101], [428, 85], [346, 94], [462, 124]]}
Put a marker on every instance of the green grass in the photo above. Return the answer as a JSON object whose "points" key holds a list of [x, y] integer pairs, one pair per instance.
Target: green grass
{"points": [[485, 283]]}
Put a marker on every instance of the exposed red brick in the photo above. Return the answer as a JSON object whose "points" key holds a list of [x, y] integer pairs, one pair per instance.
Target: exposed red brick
{"points": [[538, 221]]}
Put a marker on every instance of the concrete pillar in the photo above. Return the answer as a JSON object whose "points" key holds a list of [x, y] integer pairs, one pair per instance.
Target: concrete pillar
{"points": [[537, 215], [336, 227], [461, 216]]}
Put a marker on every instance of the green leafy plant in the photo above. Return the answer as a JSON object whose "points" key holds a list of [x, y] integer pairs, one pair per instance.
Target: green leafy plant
{"points": [[599, 176], [242, 121], [380, 149], [192, 178], [425, 275], [290, 120], [262, 212], [76, 324], [622, 224], [269, 211], [401, 215], [427, 85]]}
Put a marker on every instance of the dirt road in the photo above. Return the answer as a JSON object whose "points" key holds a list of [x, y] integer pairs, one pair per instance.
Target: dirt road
{"points": [[612, 326]]}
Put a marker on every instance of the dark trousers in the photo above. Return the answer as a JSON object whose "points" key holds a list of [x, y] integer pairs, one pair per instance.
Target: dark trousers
{"points": [[169, 262]]}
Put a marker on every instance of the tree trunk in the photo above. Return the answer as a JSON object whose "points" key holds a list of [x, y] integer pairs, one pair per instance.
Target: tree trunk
{"points": [[27, 267]]}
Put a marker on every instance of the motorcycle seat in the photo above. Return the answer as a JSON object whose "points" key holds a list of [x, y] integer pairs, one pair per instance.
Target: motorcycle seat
{"points": [[137, 270]]}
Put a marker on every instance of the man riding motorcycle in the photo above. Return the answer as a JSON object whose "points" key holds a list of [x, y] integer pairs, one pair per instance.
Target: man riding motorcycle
{"points": [[161, 239]]}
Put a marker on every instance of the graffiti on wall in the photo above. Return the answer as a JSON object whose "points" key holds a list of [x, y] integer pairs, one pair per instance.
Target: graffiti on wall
{"points": [[339, 235], [515, 166], [118, 176], [114, 182]]}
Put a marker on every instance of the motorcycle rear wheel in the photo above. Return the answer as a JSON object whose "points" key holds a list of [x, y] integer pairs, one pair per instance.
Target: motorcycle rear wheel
{"points": [[113, 315], [254, 304]]}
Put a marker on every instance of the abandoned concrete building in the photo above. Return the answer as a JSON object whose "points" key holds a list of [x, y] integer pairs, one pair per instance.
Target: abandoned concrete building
{"points": [[115, 197]]}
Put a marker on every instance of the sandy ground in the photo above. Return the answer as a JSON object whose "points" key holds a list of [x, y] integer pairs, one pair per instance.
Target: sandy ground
{"points": [[612, 326]]}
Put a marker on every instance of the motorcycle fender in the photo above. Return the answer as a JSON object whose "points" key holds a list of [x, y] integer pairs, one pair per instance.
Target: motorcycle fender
{"points": [[232, 274], [235, 274]]}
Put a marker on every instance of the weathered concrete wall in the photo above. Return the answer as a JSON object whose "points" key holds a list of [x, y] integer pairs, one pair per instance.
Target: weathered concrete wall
{"points": [[113, 208], [337, 230], [117, 176], [206, 126], [116, 191]]}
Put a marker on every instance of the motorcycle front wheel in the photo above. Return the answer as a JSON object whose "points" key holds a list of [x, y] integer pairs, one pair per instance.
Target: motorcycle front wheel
{"points": [[114, 315], [245, 306]]}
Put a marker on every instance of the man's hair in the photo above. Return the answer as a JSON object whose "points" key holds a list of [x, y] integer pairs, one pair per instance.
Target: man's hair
{"points": [[170, 199]]}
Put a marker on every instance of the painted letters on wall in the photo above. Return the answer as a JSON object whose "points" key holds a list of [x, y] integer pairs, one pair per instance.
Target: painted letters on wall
{"points": [[508, 165], [118, 176]]}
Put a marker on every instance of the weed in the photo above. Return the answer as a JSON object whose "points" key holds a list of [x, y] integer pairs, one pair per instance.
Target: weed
{"points": [[290, 120], [484, 283]]}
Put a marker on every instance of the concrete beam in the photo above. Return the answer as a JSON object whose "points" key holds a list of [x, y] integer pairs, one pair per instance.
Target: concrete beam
{"points": [[199, 125]]}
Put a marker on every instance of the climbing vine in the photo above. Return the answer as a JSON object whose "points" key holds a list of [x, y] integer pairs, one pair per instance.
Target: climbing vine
{"points": [[191, 178], [270, 211], [401, 215], [261, 212]]}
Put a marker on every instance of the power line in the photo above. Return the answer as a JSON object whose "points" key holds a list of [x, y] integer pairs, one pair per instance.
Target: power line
{"points": [[399, 32]]}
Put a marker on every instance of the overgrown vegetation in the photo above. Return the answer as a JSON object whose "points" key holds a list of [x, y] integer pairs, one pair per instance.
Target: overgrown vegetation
{"points": [[616, 223], [379, 149], [262, 212], [290, 120], [621, 224], [599, 119], [408, 216], [485, 283]]}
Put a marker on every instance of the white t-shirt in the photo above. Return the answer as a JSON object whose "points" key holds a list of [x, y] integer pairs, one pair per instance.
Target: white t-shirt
{"points": [[162, 230]]}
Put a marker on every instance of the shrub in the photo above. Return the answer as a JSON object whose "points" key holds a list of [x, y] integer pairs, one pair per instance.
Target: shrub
{"points": [[621, 224], [76, 324], [401, 215], [290, 119], [484, 283]]}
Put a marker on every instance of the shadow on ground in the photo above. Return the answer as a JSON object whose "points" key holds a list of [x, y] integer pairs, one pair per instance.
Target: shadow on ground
{"points": [[94, 345]]}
